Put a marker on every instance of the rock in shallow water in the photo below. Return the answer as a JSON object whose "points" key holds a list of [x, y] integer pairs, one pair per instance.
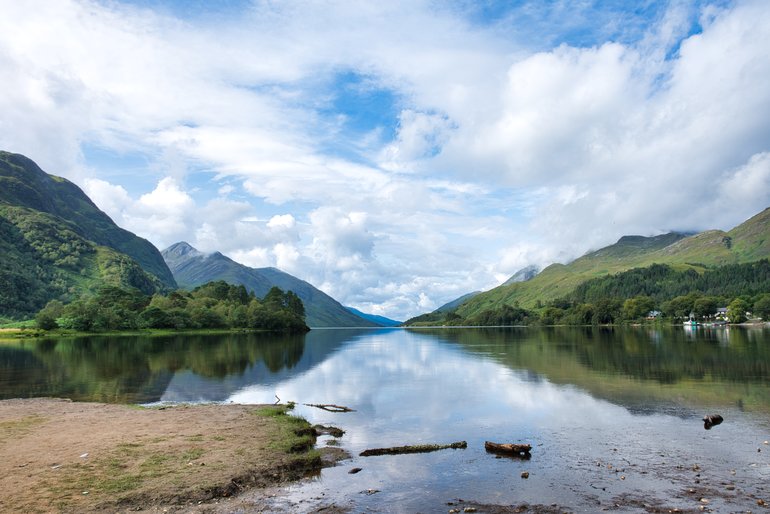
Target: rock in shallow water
{"points": [[711, 420]]}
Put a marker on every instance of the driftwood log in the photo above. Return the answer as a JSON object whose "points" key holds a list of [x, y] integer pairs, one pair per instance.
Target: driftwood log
{"points": [[330, 407], [418, 448], [510, 449]]}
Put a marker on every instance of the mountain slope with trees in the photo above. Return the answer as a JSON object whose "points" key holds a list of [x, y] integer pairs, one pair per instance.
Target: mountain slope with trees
{"points": [[24, 184], [748, 242], [193, 268], [56, 244]]}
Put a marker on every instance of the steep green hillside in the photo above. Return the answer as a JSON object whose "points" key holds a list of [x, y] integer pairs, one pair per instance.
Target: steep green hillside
{"points": [[747, 242], [750, 241], [450, 306], [192, 268], [42, 259], [24, 184], [661, 282], [56, 244]]}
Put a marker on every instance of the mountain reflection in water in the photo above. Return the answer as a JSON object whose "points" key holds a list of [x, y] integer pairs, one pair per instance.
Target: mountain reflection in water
{"points": [[631, 399], [633, 366]]}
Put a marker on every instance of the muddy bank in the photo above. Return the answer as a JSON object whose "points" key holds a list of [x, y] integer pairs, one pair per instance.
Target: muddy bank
{"points": [[57, 455]]}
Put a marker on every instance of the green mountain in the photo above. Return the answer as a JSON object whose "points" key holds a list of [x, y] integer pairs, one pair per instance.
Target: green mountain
{"points": [[56, 244], [24, 184], [439, 316], [748, 242], [450, 306], [192, 268], [524, 274]]}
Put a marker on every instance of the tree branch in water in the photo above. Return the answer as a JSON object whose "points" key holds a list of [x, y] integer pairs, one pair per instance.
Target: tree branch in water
{"points": [[419, 448], [330, 407]]}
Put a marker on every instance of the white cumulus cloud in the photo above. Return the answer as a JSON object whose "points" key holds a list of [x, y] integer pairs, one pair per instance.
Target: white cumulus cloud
{"points": [[484, 145]]}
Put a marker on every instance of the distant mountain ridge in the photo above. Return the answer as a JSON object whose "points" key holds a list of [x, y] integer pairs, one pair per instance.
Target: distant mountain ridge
{"points": [[524, 274], [56, 244], [748, 242], [192, 268], [450, 306], [374, 318]]}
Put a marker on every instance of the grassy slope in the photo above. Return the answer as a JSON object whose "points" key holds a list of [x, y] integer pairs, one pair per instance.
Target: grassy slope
{"points": [[24, 184], [56, 244], [43, 258], [747, 242]]}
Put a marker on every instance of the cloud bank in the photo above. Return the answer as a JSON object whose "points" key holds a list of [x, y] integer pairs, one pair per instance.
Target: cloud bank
{"points": [[395, 155]]}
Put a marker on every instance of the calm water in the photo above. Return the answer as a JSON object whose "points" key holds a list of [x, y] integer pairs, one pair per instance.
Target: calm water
{"points": [[613, 416]]}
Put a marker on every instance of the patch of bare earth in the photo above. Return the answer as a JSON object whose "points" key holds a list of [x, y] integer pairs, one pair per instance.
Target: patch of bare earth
{"points": [[61, 456]]}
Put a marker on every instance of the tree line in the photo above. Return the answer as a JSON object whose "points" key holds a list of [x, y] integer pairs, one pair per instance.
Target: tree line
{"points": [[658, 291], [215, 305]]}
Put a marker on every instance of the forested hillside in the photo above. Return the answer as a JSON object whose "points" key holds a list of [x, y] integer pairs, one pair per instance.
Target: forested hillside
{"points": [[55, 243], [662, 282], [712, 267], [750, 241]]}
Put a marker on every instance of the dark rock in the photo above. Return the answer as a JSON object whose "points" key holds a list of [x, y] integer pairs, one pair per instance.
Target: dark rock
{"points": [[711, 420], [332, 431]]}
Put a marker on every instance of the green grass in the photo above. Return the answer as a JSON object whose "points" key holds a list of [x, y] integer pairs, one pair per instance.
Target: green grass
{"points": [[26, 324], [295, 433]]}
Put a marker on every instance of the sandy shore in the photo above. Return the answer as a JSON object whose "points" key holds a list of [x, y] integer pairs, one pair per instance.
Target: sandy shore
{"points": [[62, 456]]}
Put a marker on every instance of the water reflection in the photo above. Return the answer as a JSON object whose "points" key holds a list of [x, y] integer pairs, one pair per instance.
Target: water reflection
{"points": [[278, 360], [707, 366], [641, 368], [149, 369], [525, 386], [578, 395]]}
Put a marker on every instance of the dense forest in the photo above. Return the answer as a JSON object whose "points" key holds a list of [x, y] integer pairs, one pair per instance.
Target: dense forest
{"points": [[657, 292], [212, 305], [662, 282]]}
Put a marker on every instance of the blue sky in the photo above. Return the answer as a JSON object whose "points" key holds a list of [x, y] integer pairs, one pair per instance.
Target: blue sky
{"points": [[396, 154]]}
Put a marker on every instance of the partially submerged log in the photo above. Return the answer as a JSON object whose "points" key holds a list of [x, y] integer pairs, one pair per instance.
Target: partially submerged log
{"points": [[711, 420], [330, 407], [509, 449], [418, 448]]}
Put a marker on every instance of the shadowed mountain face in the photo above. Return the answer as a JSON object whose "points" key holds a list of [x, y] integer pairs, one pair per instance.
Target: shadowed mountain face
{"points": [[192, 268], [56, 244]]}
